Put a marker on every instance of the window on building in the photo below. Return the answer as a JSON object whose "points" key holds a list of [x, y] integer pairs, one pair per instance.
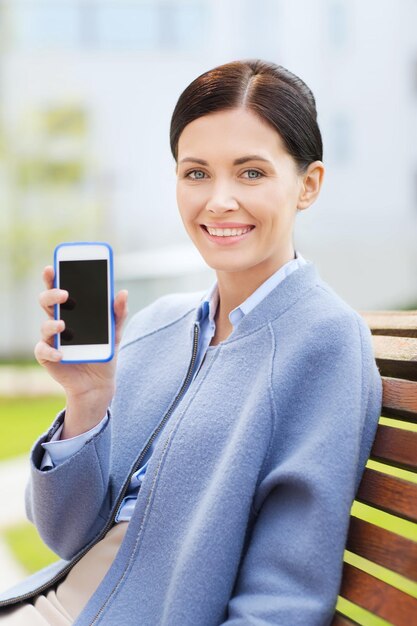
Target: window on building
{"points": [[109, 24], [183, 25], [152, 25], [338, 27], [260, 28], [127, 25], [341, 138], [44, 24]]}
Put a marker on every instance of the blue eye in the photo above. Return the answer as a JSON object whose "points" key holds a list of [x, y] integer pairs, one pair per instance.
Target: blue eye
{"points": [[256, 172], [195, 172]]}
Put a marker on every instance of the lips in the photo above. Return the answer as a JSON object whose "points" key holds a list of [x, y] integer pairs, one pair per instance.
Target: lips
{"points": [[226, 240], [224, 226]]}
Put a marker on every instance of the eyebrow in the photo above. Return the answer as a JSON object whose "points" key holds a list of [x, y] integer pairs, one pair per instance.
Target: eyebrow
{"points": [[239, 161]]}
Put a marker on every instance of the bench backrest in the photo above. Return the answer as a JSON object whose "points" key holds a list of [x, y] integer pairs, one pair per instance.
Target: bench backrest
{"points": [[389, 484]]}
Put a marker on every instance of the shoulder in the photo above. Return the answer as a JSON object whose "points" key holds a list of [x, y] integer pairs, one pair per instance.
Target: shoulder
{"points": [[160, 313], [323, 322], [341, 320], [322, 357]]}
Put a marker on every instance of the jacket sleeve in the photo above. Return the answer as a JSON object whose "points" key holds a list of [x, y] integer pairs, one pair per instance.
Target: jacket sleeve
{"points": [[58, 450], [326, 420], [68, 503]]}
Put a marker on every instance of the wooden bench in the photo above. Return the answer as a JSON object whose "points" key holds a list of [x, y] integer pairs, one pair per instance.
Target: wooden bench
{"points": [[394, 337]]}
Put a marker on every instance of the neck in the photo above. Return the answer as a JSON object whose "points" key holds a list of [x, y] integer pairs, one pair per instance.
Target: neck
{"points": [[235, 287]]}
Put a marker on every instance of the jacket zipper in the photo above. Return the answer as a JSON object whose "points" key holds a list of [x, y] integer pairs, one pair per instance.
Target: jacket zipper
{"points": [[112, 517]]}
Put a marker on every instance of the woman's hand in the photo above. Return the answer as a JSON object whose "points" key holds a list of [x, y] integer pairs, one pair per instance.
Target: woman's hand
{"points": [[89, 387]]}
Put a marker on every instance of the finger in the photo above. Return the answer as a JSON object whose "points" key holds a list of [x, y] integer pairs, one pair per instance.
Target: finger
{"points": [[48, 276], [120, 312], [45, 353], [120, 306], [50, 297], [50, 328]]}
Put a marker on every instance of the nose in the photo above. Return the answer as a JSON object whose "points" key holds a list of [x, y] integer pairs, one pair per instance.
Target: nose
{"points": [[221, 199]]}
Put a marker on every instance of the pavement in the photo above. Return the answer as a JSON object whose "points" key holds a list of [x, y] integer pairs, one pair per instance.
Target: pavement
{"points": [[27, 381], [10, 572], [13, 477], [14, 473]]}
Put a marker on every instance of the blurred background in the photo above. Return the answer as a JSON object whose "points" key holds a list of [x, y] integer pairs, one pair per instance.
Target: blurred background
{"points": [[87, 89]]}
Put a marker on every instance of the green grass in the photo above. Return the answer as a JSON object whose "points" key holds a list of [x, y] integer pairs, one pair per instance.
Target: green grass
{"points": [[22, 420], [28, 548], [19, 362]]}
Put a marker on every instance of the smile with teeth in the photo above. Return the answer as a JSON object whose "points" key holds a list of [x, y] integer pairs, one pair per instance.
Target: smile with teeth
{"points": [[227, 232]]}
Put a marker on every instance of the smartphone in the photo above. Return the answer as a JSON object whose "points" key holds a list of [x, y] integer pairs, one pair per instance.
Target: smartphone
{"points": [[85, 270]]}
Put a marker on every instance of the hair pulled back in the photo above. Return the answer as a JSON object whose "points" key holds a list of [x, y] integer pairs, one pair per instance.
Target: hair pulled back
{"points": [[275, 94]]}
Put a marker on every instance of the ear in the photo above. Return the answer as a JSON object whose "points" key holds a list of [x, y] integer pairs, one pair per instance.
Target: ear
{"points": [[311, 182]]}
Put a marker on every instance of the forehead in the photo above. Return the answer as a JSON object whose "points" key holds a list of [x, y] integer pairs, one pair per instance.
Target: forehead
{"points": [[230, 133]]}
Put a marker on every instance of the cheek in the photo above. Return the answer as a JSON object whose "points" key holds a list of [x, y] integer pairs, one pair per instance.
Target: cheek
{"points": [[180, 196], [186, 212], [182, 202], [277, 203], [189, 204]]}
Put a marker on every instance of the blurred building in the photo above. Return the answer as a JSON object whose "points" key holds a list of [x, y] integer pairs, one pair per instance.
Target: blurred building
{"points": [[87, 89]]}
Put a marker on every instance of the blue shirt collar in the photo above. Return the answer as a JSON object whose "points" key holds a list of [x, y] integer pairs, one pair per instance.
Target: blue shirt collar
{"points": [[209, 302]]}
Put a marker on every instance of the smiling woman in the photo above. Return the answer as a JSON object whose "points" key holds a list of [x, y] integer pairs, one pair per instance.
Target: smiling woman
{"points": [[261, 201], [238, 421], [267, 170]]}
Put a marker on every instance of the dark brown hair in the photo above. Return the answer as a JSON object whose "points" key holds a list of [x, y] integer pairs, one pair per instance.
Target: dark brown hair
{"points": [[271, 91]]}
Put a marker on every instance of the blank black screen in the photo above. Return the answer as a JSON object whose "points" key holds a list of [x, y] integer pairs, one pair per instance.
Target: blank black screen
{"points": [[85, 313]]}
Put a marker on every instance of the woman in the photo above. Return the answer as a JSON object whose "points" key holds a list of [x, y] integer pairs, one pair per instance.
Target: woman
{"points": [[217, 487]]}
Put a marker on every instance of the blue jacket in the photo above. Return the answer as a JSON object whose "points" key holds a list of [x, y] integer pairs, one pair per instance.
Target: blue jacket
{"points": [[59, 450], [243, 512]]}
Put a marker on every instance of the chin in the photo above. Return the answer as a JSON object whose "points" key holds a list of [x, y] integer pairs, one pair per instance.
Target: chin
{"points": [[226, 266]]}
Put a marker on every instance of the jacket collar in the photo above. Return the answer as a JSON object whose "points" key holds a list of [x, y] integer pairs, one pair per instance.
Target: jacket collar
{"points": [[275, 303]]}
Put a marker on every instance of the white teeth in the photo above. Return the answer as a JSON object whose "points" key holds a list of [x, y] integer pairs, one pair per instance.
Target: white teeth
{"points": [[227, 232]]}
